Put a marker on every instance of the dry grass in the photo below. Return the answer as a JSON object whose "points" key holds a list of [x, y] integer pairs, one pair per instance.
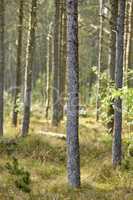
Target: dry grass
{"points": [[45, 158]]}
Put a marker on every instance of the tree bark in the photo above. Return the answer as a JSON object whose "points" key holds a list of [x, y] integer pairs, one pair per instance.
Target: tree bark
{"points": [[28, 68], [2, 65], [100, 59], [117, 149], [55, 89], [18, 69], [73, 156], [60, 60], [112, 59], [130, 47], [63, 47], [49, 71]]}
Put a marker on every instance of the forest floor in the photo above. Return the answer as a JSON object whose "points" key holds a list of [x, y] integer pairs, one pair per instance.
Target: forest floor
{"points": [[43, 158]]}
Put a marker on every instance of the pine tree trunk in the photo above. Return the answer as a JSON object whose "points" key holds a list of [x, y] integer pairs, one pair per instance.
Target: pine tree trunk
{"points": [[116, 149], [62, 74], [49, 71], [73, 161], [130, 47], [129, 58], [28, 68], [44, 55], [55, 95], [112, 59], [100, 60], [18, 69], [60, 60], [126, 42], [64, 56], [2, 65]]}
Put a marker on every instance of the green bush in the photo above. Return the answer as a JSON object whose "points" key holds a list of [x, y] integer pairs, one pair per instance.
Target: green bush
{"points": [[22, 177], [130, 150]]}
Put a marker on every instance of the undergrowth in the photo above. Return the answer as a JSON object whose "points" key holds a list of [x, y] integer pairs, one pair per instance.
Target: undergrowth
{"points": [[34, 168]]}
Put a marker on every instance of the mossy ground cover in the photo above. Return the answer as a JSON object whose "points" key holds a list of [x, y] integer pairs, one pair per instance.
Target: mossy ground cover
{"points": [[44, 159]]}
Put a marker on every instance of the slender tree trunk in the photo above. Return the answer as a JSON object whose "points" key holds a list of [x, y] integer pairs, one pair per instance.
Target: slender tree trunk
{"points": [[112, 59], [18, 69], [130, 47], [64, 56], [125, 43], [73, 156], [45, 64], [2, 65], [60, 60], [100, 59], [117, 150], [129, 58], [63, 47], [28, 69], [55, 95], [49, 71]]}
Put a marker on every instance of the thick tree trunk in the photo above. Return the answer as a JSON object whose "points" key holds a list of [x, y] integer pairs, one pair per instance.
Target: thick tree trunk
{"points": [[116, 149], [112, 59], [73, 157], [18, 69], [28, 69], [2, 65], [55, 95]]}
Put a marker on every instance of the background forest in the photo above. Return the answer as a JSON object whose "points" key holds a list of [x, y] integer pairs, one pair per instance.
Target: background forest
{"points": [[66, 100]]}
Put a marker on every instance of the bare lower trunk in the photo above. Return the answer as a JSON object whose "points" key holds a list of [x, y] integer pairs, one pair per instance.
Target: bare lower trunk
{"points": [[63, 60], [129, 58], [2, 64], [100, 60], [73, 162], [28, 69], [130, 47], [55, 92], [49, 72], [60, 60], [112, 58], [116, 149], [18, 69]]}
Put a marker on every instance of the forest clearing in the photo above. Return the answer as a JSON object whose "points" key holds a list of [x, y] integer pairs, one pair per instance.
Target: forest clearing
{"points": [[66, 100]]}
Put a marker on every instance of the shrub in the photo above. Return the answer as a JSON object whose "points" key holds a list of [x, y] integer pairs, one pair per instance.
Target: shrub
{"points": [[22, 177]]}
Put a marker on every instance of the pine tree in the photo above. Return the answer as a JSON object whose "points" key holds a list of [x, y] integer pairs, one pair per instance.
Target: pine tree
{"points": [[112, 59], [63, 48], [2, 65], [117, 149], [73, 161], [55, 89], [100, 59], [28, 68], [49, 70], [18, 69], [130, 46]]}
